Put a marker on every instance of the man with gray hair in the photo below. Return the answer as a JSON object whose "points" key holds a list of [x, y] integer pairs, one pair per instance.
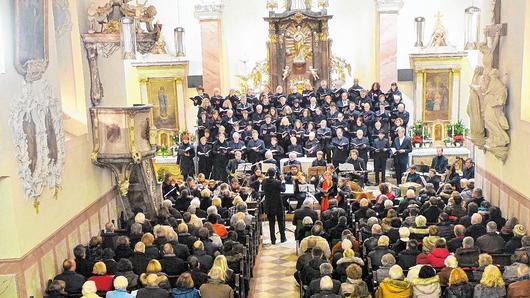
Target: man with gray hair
{"points": [[326, 269], [305, 210], [476, 229], [467, 255], [292, 160], [491, 242]]}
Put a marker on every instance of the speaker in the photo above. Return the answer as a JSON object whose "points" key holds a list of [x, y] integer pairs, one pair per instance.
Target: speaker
{"points": [[405, 75], [194, 81]]}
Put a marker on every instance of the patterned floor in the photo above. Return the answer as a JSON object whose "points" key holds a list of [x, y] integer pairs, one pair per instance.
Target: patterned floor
{"points": [[275, 265]]}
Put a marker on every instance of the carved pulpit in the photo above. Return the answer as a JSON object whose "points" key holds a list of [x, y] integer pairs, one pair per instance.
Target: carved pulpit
{"points": [[298, 47]]}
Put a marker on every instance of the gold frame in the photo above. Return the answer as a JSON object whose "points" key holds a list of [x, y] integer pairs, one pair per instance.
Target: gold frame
{"points": [[174, 82], [20, 31], [450, 72]]}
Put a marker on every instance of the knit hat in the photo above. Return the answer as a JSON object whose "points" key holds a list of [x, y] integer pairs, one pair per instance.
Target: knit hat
{"points": [[404, 234], [519, 230], [395, 272]]}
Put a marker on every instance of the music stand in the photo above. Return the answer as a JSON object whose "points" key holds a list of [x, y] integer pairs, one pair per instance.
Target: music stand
{"points": [[265, 166], [287, 169], [289, 189], [346, 167], [316, 171], [307, 188]]}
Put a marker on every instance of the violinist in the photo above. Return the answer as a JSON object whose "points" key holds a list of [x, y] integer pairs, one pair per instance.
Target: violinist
{"points": [[169, 187], [296, 177]]}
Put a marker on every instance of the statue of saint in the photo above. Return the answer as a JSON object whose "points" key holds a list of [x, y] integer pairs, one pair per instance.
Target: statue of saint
{"points": [[474, 110], [299, 46], [495, 121], [162, 101]]}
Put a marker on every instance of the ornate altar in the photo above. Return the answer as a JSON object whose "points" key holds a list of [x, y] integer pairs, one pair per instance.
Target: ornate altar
{"points": [[298, 46], [104, 34], [121, 142]]}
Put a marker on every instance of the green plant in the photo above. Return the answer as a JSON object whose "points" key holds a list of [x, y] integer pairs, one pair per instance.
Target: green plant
{"points": [[458, 128], [448, 140], [163, 151], [417, 129]]}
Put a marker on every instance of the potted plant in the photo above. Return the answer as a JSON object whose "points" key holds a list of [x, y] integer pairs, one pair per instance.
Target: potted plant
{"points": [[417, 132], [458, 134], [448, 142], [163, 151]]}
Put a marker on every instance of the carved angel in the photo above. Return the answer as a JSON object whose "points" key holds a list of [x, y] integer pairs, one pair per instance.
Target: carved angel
{"points": [[97, 15], [286, 72], [314, 73]]}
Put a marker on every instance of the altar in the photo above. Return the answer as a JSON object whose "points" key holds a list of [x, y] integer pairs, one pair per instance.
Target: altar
{"points": [[166, 164], [424, 156]]}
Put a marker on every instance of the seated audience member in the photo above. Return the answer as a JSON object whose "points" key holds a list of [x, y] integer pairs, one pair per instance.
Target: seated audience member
{"points": [[89, 290], [125, 269], [520, 288], [199, 277], [491, 242], [484, 260], [354, 285], [456, 242], [171, 264], [204, 259], [155, 268], [184, 236], [458, 285], [387, 261], [83, 266], [401, 243], [321, 242], [450, 264], [348, 258], [303, 259], [56, 289], [227, 273], [381, 250], [395, 286], [180, 250], [420, 230], [123, 248], [101, 278], [216, 287], [519, 231], [468, 254], [427, 284], [476, 229], [151, 251], [437, 256], [429, 242], [139, 260], [491, 284], [304, 228], [73, 281], [326, 289], [185, 287], [510, 272], [108, 259], [407, 257], [507, 229], [312, 269], [152, 288], [120, 289], [371, 243], [326, 270]]}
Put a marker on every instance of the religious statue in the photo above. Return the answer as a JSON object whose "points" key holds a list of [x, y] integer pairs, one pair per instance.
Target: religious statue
{"points": [[474, 110], [314, 72], [162, 100], [494, 119], [286, 72], [299, 49], [439, 36], [97, 15], [159, 47]]}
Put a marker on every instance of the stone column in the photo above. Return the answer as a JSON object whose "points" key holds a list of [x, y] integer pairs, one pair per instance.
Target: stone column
{"points": [[209, 14], [387, 11]]}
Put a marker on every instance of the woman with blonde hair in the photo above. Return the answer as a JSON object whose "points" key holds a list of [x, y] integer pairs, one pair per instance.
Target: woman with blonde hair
{"points": [[227, 273], [102, 280], [154, 267], [216, 287], [458, 285], [348, 258], [151, 251], [89, 290], [484, 260], [491, 285]]}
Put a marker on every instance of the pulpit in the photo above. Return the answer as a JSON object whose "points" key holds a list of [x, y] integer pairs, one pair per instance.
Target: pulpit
{"points": [[121, 142]]}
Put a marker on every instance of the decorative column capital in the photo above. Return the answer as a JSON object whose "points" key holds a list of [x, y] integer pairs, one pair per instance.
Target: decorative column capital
{"points": [[389, 6], [209, 9]]}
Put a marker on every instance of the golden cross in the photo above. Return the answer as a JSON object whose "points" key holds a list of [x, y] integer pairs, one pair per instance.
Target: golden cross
{"points": [[438, 16]]}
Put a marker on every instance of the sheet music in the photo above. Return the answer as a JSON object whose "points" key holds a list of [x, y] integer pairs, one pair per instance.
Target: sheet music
{"points": [[289, 189]]}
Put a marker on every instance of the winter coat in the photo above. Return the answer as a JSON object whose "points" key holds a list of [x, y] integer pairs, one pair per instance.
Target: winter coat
{"points": [[437, 257], [463, 290], [356, 286], [394, 288], [481, 291], [426, 287]]}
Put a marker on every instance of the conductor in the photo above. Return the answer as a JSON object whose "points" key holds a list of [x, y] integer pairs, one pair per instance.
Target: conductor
{"points": [[273, 204]]}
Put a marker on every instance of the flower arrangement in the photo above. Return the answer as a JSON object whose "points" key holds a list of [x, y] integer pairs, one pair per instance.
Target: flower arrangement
{"points": [[418, 132], [163, 151], [458, 133]]}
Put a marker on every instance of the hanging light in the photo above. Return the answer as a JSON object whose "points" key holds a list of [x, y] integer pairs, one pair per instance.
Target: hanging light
{"points": [[128, 38], [420, 26], [472, 33], [179, 42]]}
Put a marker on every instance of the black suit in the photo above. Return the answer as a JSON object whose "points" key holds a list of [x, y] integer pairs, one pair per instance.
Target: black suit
{"points": [[272, 189], [172, 265], [439, 163], [401, 160], [73, 281]]}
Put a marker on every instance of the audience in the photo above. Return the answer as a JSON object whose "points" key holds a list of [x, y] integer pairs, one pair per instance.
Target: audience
{"points": [[184, 287], [89, 290], [458, 285], [152, 288], [216, 286], [73, 282], [120, 288], [102, 280], [491, 284]]}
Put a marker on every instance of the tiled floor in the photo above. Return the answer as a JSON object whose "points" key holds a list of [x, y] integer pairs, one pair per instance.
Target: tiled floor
{"points": [[273, 273]]}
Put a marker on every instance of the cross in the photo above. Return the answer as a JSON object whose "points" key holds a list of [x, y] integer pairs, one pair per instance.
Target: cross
{"points": [[495, 31], [438, 16]]}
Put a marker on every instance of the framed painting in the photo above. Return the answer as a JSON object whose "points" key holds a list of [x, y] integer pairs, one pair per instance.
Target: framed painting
{"points": [[437, 95], [31, 37], [162, 94]]}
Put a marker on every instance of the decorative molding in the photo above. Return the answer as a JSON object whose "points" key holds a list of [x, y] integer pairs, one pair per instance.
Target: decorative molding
{"points": [[209, 10], [389, 6], [61, 17], [36, 120]]}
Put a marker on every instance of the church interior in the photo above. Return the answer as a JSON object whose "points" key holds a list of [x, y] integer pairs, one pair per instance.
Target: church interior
{"points": [[204, 123]]}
